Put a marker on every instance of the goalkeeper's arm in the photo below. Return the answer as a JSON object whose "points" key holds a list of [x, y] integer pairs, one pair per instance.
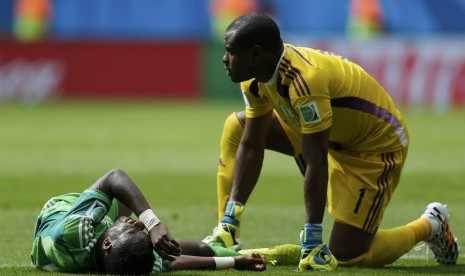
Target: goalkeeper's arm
{"points": [[315, 255]]}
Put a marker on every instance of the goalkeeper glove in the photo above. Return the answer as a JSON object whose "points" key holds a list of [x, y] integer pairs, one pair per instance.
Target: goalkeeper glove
{"points": [[227, 232], [315, 255]]}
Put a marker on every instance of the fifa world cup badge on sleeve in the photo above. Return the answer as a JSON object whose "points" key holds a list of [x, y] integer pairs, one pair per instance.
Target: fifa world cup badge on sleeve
{"points": [[309, 113]]}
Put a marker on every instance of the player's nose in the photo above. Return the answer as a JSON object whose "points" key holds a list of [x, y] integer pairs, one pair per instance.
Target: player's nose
{"points": [[139, 225]]}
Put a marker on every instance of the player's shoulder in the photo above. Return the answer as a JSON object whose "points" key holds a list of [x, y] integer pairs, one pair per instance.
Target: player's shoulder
{"points": [[300, 59], [300, 53], [250, 86], [96, 194]]}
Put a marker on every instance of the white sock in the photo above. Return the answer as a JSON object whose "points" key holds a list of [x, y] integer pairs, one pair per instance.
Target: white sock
{"points": [[435, 225]]}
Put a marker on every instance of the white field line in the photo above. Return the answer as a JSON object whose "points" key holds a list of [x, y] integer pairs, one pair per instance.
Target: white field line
{"points": [[421, 252], [423, 257], [15, 265]]}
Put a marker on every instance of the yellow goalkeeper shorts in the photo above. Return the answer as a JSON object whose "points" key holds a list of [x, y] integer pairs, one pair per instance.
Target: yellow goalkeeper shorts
{"points": [[360, 183], [361, 186]]}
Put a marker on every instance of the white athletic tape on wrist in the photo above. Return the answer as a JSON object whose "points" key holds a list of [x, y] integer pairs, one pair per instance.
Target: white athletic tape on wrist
{"points": [[149, 219], [224, 262]]}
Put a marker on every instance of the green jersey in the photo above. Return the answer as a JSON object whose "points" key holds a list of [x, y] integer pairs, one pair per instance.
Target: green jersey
{"points": [[67, 230]]}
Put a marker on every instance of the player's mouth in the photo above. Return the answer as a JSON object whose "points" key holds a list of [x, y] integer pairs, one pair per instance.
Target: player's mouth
{"points": [[228, 71]]}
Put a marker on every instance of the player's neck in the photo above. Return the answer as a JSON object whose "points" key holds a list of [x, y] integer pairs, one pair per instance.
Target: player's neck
{"points": [[269, 67], [100, 253]]}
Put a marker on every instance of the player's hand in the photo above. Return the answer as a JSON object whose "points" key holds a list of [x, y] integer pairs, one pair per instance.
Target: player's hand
{"points": [[163, 243], [315, 255], [318, 259], [253, 262]]}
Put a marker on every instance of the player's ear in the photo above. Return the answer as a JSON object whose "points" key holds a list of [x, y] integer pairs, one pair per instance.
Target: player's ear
{"points": [[257, 52], [107, 244]]}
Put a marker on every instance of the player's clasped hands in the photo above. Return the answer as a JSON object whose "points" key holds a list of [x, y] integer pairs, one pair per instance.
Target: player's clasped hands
{"points": [[163, 243]]}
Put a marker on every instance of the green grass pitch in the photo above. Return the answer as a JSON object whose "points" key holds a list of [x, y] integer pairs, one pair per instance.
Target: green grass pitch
{"points": [[171, 150]]}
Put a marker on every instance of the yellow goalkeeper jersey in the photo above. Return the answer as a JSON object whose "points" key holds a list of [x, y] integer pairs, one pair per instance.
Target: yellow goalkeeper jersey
{"points": [[313, 90]]}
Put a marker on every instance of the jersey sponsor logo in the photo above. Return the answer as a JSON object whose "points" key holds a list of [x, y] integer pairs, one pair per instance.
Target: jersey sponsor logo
{"points": [[289, 113], [309, 113], [286, 110]]}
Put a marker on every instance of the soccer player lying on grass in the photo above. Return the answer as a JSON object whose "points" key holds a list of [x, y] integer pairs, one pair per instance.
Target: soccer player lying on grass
{"points": [[92, 232]]}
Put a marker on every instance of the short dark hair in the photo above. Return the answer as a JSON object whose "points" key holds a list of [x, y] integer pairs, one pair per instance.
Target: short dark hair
{"points": [[132, 255], [256, 29]]}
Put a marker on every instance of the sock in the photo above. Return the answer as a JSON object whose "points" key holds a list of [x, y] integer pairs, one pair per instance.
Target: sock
{"points": [[284, 254], [231, 137], [434, 224], [390, 244], [221, 251], [423, 228]]}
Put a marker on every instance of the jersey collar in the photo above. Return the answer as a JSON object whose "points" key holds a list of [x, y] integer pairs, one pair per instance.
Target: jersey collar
{"points": [[276, 70]]}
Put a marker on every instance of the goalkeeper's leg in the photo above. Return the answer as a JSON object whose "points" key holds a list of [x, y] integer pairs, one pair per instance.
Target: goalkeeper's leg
{"points": [[383, 248], [387, 245], [358, 203], [230, 139], [278, 140]]}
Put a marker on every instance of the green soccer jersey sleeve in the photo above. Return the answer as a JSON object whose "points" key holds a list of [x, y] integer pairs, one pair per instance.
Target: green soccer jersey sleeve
{"points": [[68, 228]]}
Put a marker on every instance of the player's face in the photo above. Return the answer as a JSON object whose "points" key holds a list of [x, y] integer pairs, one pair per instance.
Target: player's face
{"points": [[128, 234], [126, 226], [237, 60]]}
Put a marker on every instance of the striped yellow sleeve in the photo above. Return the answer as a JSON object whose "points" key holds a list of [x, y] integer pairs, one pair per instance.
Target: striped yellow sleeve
{"points": [[315, 114], [255, 105], [314, 110]]}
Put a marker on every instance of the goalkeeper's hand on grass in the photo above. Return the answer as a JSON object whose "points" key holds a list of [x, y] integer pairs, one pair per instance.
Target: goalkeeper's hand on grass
{"points": [[225, 236], [315, 255], [227, 233]]}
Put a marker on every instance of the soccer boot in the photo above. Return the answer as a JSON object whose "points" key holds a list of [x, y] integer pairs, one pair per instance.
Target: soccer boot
{"points": [[442, 242], [318, 259], [286, 254]]}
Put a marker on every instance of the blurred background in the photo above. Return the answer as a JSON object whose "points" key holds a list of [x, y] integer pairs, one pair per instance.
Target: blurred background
{"points": [[172, 49], [91, 85]]}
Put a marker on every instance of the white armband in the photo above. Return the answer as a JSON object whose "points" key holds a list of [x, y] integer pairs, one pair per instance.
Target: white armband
{"points": [[224, 262], [149, 219]]}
